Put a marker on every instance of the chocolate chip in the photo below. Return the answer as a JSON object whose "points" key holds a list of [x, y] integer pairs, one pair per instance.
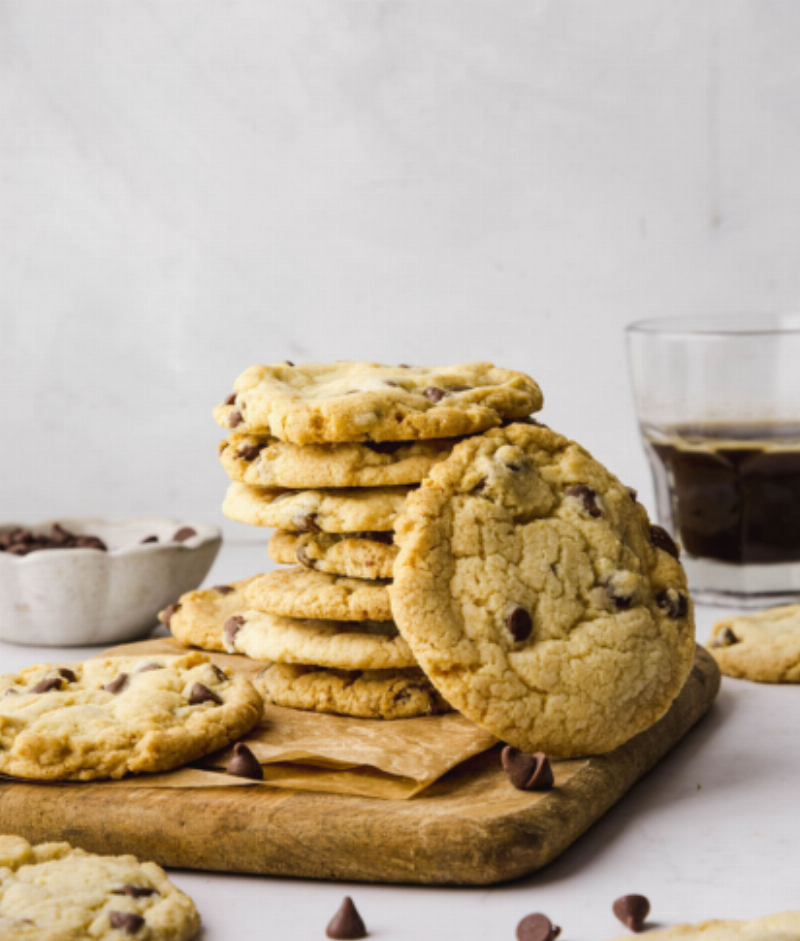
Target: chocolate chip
{"points": [[231, 399], [661, 539], [725, 638], [20, 549], [306, 523], [60, 535], [403, 366], [148, 667], [184, 533], [244, 764], [620, 601], [249, 452], [674, 603], [385, 447], [633, 493], [201, 694], [68, 675], [223, 589], [220, 674], [346, 924], [434, 394], [231, 628], [537, 927], [632, 911], [588, 498], [128, 922], [302, 557], [134, 891], [166, 615], [519, 622], [117, 684], [90, 542], [527, 772], [460, 389], [394, 385], [46, 685], [288, 362], [148, 539], [235, 419]]}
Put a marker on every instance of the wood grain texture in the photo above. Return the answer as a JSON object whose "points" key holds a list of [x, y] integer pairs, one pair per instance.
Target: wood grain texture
{"points": [[471, 828]]}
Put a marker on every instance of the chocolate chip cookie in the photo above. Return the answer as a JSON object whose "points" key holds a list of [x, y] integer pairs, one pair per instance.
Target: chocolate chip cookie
{"points": [[356, 555], [301, 593], [52, 892], [198, 617], [538, 598], [269, 462], [314, 511], [763, 647], [365, 694], [109, 717], [323, 403]]}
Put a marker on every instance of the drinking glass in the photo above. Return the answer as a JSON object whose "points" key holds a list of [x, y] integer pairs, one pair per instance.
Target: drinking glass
{"points": [[718, 402]]}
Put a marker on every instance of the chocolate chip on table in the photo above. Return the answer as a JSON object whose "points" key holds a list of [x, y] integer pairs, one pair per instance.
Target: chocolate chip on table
{"points": [[244, 764], [68, 675], [232, 627], [519, 622], [223, 589], [434, 394], [184, 533], [135, 891], [306, 523], [346, 924], [249, 452], [148, 539], [661, 539], [527, 772], [632, 911], [47, 685], [588, 498], [674, 603], [725, 638], [129, 922], [117, 684], [537, 927], [235, 419], [200, 694], [166, 615]]}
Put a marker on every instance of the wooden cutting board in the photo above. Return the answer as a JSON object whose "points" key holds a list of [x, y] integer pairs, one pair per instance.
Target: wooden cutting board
{"points": [[470, 828]]}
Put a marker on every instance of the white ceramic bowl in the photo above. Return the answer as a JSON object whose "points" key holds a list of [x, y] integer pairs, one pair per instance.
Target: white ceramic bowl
{"points": [[74, 597]]}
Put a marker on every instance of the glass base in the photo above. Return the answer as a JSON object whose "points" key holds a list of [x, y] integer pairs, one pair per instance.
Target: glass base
{"points": [[745, 586]]}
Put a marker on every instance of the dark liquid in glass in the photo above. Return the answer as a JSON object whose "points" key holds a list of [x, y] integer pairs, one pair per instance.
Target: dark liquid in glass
{"points": [[731, 492]]}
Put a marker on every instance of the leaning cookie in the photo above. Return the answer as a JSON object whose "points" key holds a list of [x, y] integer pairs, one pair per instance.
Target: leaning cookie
{"points": [[782, 927], [341, 645], [197, 618], [269, 462], [314, 511], [113, 716], [323, 403], [366, 694], [52, 892], [538, 599], [301, 593], [356, 555], [763, 647]]}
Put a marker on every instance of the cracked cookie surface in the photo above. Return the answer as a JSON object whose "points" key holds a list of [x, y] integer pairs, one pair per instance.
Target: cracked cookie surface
{"points": [[341, 645], [111, 716], [537, 597], [269, 462], [301, 593], [763, 647], [322, 403], [364, 694], [52, 892], [307, 511], [356, 555], [781, 927]]}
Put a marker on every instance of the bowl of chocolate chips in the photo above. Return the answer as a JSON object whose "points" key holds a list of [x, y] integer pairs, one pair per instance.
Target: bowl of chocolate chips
{"points": [[74, 582]]}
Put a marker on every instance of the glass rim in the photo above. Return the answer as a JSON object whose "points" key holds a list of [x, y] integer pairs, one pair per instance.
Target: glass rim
{"points": [[734, 325]]}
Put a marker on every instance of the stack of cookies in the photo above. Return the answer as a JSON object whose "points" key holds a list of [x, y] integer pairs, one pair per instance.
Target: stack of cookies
{"points": [[328, 455]]}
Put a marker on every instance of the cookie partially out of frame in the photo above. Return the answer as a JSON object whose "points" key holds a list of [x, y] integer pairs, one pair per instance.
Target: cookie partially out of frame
{"points": [[356, 555], [763, 647], [52, 892], [364, 694], [112, 716], [322, 403], [537, 597]]}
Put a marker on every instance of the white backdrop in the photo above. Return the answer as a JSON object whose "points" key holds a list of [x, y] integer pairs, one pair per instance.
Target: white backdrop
{"points": [[187, 188]]}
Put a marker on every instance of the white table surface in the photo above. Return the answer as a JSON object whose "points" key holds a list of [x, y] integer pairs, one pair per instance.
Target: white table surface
{"points": [[712, 831]]}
